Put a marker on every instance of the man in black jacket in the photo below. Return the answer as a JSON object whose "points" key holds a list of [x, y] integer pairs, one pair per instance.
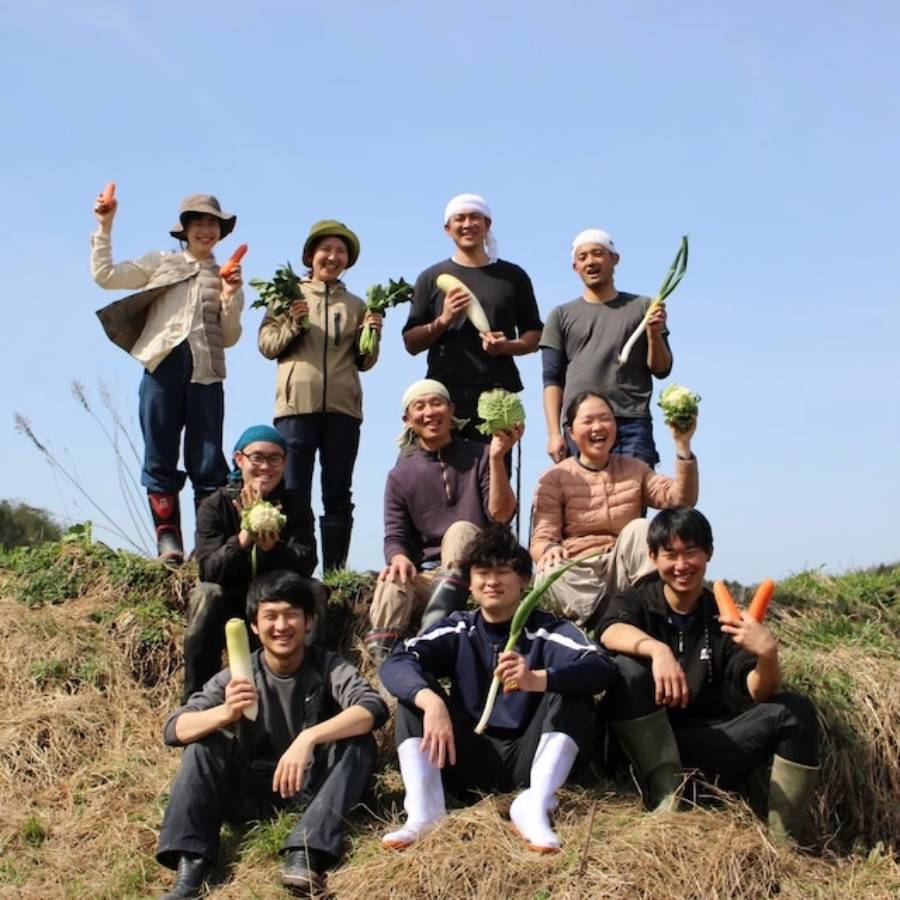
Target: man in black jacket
{"points": [[686, 675], [229, 555], [539, 722], [308, 745]]}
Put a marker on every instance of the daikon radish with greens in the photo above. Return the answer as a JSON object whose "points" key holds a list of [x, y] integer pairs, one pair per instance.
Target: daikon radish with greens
{"points": [[474, 310], [238, 643], [673, 277]]}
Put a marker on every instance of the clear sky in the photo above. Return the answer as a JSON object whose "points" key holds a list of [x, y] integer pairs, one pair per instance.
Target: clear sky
{"points": [[769, 132]]}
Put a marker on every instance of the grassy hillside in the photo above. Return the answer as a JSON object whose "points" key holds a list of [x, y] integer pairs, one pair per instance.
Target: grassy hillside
{"points": [[89, 667]]}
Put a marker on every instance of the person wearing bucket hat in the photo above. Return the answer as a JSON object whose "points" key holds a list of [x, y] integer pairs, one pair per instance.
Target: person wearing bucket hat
{"points": [[466, 361], [229, 555], [580, 346], [177, 326], [318, 394]]}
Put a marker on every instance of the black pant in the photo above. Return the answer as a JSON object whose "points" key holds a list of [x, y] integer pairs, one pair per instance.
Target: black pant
{"points": [[216, 782], [727, 749], [485, 763]]}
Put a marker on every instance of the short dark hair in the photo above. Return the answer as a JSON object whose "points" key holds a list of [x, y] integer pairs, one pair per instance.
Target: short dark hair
{"points": [[495, 546], [684, 522], [280, 586], [578, 399]]}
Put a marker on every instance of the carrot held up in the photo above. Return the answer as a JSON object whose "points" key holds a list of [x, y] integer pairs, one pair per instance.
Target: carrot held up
{"points": [[108, 197], [233, 262], [728, 609]]}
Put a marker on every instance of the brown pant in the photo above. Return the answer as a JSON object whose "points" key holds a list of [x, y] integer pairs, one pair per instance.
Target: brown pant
{"points": [[395, 605], [584, 591]]}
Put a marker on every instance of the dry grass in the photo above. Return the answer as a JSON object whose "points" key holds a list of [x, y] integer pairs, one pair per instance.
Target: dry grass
{"points": [[86, 685]]}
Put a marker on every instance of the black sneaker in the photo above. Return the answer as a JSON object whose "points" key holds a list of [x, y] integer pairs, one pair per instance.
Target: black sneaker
{"points": [[192, 872], [302, 872]]}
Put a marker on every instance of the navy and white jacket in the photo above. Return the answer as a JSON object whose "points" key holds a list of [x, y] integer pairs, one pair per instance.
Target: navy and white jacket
{"points": [[464, 648]]}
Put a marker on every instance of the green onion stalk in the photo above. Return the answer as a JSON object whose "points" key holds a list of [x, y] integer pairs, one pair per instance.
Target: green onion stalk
{"points": [[378, 300], [525, 609], [673, 277]]}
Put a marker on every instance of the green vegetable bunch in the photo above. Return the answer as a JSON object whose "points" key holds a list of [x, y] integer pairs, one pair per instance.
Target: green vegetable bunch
{"points": [[679, 406], [500, 410], [278, 294], [379, 299]]}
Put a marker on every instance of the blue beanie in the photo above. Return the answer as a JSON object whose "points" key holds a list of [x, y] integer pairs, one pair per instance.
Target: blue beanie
{"points": [[261, 433]]}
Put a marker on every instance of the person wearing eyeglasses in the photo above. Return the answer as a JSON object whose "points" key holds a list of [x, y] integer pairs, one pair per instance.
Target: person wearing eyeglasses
{"points": [[230, 555]]}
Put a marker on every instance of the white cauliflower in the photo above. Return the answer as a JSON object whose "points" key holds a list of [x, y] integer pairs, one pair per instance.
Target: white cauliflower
{"points": [[263, 517]]}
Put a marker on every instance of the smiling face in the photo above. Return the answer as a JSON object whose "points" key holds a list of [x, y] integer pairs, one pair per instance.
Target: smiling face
{"points": [[261, 463], [431, 418], [468, 230], [329, 259], [282, 630], [595, 265], [594, 431], [682, 568], [497, 589], [201, 234]]}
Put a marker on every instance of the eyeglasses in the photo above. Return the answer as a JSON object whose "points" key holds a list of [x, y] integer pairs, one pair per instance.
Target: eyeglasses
{"points": [[271, 459]]}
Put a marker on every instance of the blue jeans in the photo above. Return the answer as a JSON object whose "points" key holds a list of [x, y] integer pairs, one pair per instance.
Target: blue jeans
{"points": [[634, 438], [169, 403], [336, 437]]}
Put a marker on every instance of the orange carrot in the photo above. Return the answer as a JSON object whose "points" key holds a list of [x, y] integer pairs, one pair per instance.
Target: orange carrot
{"points": [[108, 197], [760, 602], [728, 609], [233, 262]]}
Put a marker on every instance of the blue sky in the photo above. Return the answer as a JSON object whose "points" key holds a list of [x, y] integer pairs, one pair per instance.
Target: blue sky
{"points": [[769, 133]]}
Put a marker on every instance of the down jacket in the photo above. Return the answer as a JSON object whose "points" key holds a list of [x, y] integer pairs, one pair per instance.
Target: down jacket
{"points": [[319, 366], [584, 510]]}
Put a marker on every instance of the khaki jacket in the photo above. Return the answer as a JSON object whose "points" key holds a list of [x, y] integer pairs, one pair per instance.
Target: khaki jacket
{"points": [[585, 510], [319, 366]]}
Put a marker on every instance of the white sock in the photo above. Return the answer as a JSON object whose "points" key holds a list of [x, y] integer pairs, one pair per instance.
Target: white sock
{"points": [[530, 811], [424, 800]]}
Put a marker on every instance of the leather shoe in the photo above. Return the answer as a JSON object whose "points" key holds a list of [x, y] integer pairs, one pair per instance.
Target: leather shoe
{"points": [[300, 872], [191, 873]]}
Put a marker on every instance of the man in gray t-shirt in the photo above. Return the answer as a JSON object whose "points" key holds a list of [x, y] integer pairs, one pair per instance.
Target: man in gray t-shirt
{"points": [[580, 345]]}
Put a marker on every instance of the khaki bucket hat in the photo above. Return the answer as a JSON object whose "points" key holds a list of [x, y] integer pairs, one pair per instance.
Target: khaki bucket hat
{"points": [[204, 204], [328, 228]]}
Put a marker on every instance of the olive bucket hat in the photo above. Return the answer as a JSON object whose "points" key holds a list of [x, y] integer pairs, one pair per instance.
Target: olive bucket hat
{"points": [[204, 205], [328, 228]]}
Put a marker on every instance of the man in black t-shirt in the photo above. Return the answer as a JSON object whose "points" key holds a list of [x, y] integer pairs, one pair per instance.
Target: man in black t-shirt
{"points": [[682, 668], [466, 361]]}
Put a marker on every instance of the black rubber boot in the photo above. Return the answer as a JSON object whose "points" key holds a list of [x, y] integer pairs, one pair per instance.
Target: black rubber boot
{"points": [[336, 531], [449, 593], [192, 871], [167, 523]]}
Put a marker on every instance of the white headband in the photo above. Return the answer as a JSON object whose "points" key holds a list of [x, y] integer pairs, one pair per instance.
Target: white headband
{"points": [[463, 203], [593, 236]]}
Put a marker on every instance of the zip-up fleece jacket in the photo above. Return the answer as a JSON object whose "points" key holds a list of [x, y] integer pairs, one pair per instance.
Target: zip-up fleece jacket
{"points": [[464, 648], [318, 366]]}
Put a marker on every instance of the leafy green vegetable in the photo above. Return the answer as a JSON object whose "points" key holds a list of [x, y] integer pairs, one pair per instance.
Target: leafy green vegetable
{"points": [[679, 406], [379, 299], [278, 294], [500, 410]]}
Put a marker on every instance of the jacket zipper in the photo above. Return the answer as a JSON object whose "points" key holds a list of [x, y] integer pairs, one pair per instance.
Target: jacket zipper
{"points": [[337, 328], [325, 349]]}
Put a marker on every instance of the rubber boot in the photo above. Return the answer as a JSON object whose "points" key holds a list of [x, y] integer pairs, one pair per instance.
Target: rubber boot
{"points": [[204, 636], [167, 522], [380, 643], [791, 787], [424, 801], [650, 744], [449, 593], [336, 531], [530, 812]]}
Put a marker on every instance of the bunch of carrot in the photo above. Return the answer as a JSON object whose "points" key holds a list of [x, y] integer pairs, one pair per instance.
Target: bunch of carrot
{"points": [[728, 609]]}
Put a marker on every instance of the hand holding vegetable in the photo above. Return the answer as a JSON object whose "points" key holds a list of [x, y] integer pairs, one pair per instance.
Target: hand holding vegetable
{"points": [[670, 282], [105, 207], [499, 410], [454, 303], [657, 321], [233, 262], [512, 670], [278, 295], [503, 441], [752, 636], [496, 343], [680, 406], [240, 696], [379, 299], [299, 311]]}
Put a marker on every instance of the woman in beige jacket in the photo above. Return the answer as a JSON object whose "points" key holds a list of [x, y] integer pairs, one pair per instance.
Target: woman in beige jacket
{"points": [[318, 396], [593, 503]]}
